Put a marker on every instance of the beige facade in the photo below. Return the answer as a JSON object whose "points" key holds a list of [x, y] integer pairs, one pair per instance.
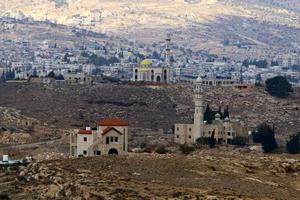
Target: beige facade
{"points": [[148, 73], [224, 130], [110, 137]]}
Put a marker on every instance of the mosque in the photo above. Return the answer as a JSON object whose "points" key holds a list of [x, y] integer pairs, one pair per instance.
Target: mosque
{"points": [[147, 72], [224, 130]]}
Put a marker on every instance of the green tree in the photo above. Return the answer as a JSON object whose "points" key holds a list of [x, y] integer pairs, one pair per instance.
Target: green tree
{"points": [[66, 58], [293, 145], [51, 75], [208, 115], [186, 149], [60, 77], [226, 113], [212, 141], [220, 112], [258, 78], [278, 86]]}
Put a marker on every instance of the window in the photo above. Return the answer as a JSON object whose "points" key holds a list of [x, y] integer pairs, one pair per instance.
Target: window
{"points": [[111, 139], [98, 153], [190, 137], [177, 136], [84, 152], [177, 129], [229, 133], [116, 139], [190, 129], [85, 139], [107, 140]]}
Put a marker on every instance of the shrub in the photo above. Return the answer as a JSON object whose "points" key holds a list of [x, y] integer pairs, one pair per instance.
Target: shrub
{"points": [[143, 145], [186, 149], [161, 150], [239, 141], [203, 140], [293, 145]]}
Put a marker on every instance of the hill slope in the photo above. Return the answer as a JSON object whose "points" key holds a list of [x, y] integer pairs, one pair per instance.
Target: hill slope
{"points": [[200, 24]]}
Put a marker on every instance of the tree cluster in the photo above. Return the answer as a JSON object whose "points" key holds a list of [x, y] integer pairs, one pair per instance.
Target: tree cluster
{"points": [[99, 60], [265, 135], [239, 141], [59, 77], [209, 114], [210, 141]]}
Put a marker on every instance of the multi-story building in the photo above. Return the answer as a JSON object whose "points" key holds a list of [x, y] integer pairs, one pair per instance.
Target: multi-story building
{"points": [[110, 137]]}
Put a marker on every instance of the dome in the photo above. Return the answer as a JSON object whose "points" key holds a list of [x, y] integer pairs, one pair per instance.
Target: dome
{"points": [[217, 116], [146, 62], [199, 79]]}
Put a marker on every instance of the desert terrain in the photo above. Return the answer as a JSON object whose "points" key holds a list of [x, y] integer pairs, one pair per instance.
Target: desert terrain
{"points": [[205, 174]]}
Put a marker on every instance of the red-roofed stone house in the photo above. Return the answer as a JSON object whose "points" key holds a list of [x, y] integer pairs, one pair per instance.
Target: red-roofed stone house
{"points": [[110, 137]]}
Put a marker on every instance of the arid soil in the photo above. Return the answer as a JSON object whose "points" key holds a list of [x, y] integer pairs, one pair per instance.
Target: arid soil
{"points": [[203, 175], [144, 106]]}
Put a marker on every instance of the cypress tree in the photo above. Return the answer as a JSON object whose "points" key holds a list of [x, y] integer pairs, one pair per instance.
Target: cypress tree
{"points": [[293, 145], [226, 113], [212, 140]]}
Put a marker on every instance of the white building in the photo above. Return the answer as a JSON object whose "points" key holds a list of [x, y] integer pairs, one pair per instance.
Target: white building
{"points": [[110, 137]]}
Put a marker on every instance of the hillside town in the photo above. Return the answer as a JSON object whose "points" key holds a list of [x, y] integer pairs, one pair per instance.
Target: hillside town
{"points": [[149, 100], [83, 59]]}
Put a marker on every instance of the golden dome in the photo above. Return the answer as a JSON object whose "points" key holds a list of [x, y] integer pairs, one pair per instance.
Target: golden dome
{"points": [[146, 63]]}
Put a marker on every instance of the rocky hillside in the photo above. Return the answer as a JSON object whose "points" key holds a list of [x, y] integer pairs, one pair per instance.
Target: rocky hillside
{"points": [[145, 106], [204, 175], [202, 24]]}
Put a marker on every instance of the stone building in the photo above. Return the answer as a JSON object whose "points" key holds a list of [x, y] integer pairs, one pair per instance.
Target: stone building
{"points": [[109, 137], [148, 73], [224, 130], [219, 81]]}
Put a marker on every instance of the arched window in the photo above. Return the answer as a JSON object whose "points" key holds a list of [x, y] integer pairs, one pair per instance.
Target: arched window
{"points": [[152, 75], [136, 74]]}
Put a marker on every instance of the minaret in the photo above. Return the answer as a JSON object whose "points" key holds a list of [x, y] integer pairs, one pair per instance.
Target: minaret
{"points": [[168, 50], [198, 115]]}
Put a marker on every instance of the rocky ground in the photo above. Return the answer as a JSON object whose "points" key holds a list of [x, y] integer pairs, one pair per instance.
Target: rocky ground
{"points": [[145, 106], [206, 174]]}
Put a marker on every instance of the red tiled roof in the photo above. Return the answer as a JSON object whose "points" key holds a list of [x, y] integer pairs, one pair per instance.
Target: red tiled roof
{"points": [[109, 129], [85, 132], [113, 122]]}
